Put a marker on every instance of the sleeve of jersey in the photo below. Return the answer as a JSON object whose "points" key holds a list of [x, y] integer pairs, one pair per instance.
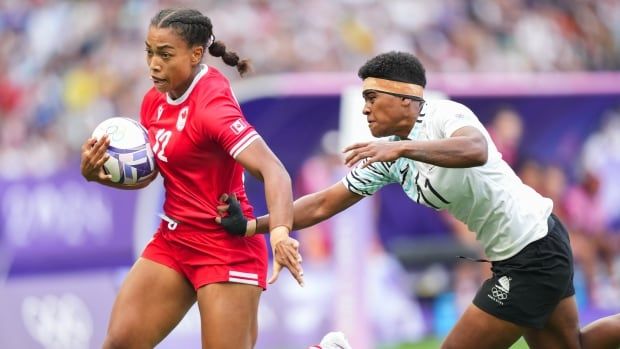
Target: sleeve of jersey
{"points": [[231, 130], [455, 117], [368, 180]]}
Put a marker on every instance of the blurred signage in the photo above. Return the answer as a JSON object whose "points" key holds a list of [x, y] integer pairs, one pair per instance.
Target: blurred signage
{"points": [[63, 222], [66, 311]]}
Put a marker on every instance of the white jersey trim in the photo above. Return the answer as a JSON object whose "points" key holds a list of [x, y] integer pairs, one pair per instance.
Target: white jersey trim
{"points": [[243, 143], [203, 70]]}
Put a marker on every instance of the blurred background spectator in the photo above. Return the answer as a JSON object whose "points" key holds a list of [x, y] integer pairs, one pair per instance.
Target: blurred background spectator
{"points": [[592, 240], [506, 130]]}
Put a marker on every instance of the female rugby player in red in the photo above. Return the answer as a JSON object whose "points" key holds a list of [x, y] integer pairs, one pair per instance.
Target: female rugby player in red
{"points": [[202, 143]]}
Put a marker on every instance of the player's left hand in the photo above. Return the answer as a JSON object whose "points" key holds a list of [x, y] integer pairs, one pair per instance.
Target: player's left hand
{"points": [[285, 255], [231, 216], [372, 152]]}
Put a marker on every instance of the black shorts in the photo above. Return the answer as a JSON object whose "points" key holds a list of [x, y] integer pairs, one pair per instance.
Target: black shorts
{"points": [[526, 288]]}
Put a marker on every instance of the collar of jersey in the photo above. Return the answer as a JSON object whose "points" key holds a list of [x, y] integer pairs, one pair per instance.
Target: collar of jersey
{"points": [[203, 70]]}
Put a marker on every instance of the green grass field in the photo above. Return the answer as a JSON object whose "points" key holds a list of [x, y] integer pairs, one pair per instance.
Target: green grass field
{"points": [[434, 344]]}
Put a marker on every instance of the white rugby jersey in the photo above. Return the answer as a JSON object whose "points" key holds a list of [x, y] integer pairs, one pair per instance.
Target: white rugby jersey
{"points": [[505, 214]]}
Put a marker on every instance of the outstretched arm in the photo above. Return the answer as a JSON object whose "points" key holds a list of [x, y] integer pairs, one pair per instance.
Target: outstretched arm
{"points": [[466, 147], [308, 210]]}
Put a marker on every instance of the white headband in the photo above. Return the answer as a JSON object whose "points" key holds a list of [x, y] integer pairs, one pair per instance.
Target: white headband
{"points": [[391, 86]]}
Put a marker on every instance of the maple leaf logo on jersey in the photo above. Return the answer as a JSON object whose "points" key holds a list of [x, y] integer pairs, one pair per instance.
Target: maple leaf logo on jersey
{"points": [[238, 126], [182, 119]]}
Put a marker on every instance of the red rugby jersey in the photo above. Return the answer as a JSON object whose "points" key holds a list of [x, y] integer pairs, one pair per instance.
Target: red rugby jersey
{"points": [[195, 139]]}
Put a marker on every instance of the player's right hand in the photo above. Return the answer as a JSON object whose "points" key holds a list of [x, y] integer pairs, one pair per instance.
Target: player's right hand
{"points": [[94, 155], [285, 254]]}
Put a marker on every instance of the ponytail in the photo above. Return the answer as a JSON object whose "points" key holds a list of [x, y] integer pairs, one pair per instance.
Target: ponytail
{"points": [[218, 49]]}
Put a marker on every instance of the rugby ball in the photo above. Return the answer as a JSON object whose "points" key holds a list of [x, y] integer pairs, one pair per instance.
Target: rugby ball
{"points": [[131, 157]]}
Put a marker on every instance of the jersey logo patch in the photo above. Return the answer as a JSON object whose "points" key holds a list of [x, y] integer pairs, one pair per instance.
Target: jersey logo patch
{"points": [[182, 119], [238, 126]]}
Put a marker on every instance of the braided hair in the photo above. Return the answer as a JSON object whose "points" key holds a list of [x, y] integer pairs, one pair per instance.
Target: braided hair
{"points": [[196, 29]]}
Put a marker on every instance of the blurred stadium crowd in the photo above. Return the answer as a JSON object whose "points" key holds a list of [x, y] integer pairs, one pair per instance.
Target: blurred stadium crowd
{"points": [[66, 65]]}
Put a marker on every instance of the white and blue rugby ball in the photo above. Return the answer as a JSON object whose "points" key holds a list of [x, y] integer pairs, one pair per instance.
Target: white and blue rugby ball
{"points": [[131, 157]]}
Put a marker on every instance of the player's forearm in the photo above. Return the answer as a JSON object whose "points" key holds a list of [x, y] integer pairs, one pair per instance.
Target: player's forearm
{"points": [[279, 197], [307, 211], [454, 152]]}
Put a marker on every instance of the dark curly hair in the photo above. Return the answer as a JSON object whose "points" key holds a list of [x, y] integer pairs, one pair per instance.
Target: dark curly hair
{"points": [[397, 66], [196, 29]]}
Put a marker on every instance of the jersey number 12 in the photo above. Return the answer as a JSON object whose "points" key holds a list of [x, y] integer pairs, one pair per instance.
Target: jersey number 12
{"points": [[161, 141]]}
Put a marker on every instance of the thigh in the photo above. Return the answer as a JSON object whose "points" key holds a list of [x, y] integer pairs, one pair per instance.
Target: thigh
{"points": [[561, 329], [480, 330], [228, 313], [602, 334], [151, 302]]}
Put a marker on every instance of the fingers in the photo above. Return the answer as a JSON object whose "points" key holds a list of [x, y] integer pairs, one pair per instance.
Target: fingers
{"points": [[222, 209], [368, 161], [277, 267], [87, 148], [223, 197], [228, 198], [104, 176], [101, 146], [357, 152], [348, 161], [299, 277], [286, 254], [354, 157], [102, 160], [231, 198], [355, 146], [229, 208], [88, 144], [94, 155], [290, 259]]}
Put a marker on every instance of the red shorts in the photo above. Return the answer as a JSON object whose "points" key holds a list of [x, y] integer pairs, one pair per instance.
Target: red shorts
{"points": [[205, 258]]}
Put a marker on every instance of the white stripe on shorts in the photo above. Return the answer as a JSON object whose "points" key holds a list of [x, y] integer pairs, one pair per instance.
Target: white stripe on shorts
{"points": [[243, 275], [243, 281]]}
